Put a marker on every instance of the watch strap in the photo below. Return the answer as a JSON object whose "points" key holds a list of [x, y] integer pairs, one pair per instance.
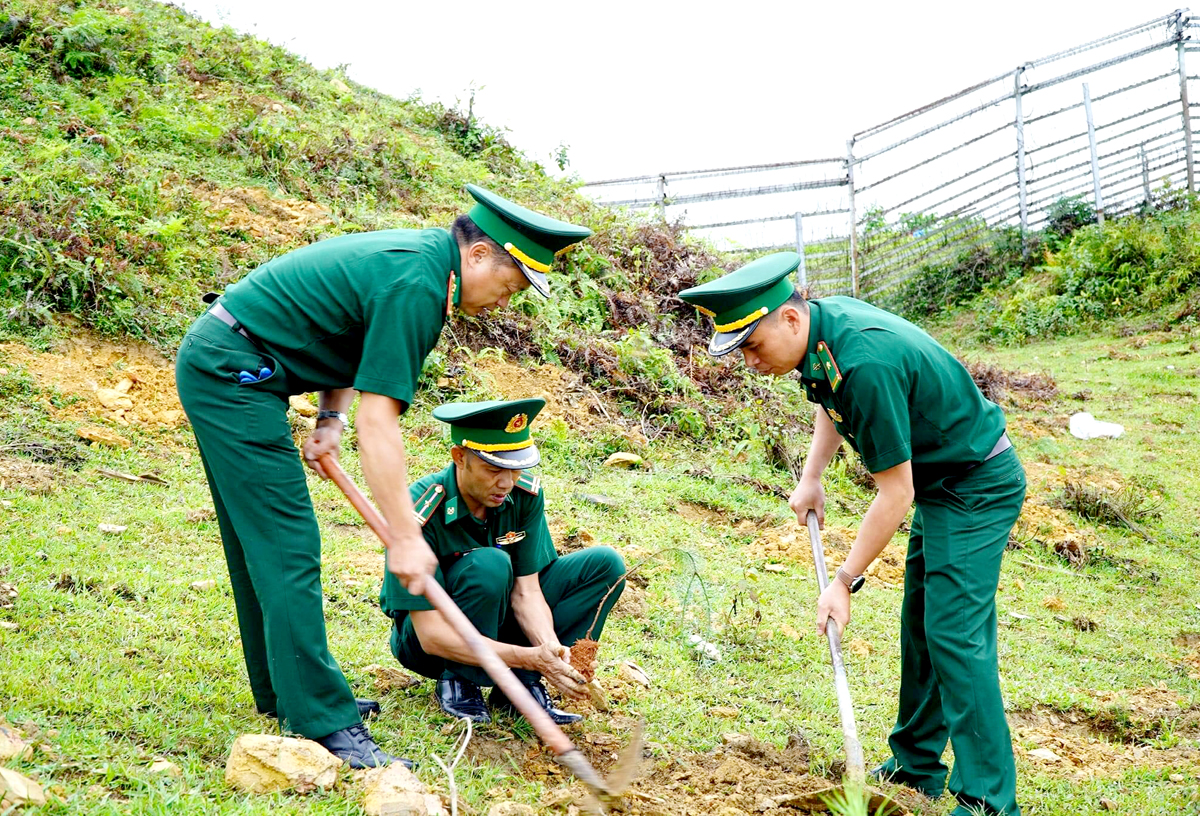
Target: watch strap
{"points": [[338, 415]]}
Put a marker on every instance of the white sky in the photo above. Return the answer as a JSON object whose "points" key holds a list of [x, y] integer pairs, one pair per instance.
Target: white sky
{"points": [[645, 87]]}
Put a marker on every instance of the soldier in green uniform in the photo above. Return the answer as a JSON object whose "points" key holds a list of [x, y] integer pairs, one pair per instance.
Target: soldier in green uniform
{"points": [[352, 313], [925, 432], [485, 518]]}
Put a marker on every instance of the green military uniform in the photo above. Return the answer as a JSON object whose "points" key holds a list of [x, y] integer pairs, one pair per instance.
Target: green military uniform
{"points": [[359, 311], [896, 395], [478, 559]]}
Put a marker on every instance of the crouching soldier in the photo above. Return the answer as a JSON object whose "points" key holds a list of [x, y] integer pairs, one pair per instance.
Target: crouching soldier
{"points": [[484, 517]]}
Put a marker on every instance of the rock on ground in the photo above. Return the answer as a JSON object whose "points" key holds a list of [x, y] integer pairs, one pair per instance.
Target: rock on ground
{"points": [[395, 791], [12, 746], [259, 763], [511, 809], [17, 790]]}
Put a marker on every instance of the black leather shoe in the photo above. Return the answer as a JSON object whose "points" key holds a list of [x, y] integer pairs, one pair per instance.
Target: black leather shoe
{"points": [[462, 698], [500, 702], [366, 709], [355, 746]]}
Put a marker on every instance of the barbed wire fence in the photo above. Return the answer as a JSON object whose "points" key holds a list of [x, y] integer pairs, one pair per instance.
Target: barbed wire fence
{"points": [[1110, 120]]}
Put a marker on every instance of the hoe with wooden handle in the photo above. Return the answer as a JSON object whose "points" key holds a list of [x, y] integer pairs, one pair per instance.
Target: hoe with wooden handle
{"points": [[564, 750]]}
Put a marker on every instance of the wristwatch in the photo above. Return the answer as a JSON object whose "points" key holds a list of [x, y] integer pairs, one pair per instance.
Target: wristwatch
{"points": [[338, 415], [853, 583]]}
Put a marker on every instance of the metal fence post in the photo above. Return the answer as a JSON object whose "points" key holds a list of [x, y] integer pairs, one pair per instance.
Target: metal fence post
{"points": [[1020, 121], [1145, 175], [1180, 24], [802, 271], [662, 197], [1087, 109], [853, 218]]}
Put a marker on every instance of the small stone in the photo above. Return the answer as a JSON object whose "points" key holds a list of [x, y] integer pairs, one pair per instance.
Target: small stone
{"points": [[511, 809], [389, 678], [1176, 777], [1054, 602], [42, 555], [300, 404], [64, 530], [17, 790], [1107, 804], [275, 106], [113, 529], [102, 436], [634, 673], [113, 399], [7, 626], [774, 568], [207, 585], [339, 86], [395, 791], [28, 121], [259, 763], [165, 766], [624, 460], [12, 746], [1045, 754], [726, 712]]}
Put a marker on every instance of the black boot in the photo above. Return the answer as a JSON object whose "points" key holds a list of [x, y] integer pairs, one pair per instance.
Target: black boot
{"points": [[355, 746], [500, 702], [462, 698], [366, 709]]}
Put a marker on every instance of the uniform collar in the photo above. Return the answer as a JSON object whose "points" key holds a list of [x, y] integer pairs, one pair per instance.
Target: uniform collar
{"points": [[810, 367], [455, 507], [456, 270]]}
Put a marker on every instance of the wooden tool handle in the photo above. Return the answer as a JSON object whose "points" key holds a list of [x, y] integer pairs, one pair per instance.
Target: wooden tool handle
{"points": [[856, 768], [546, 728]]}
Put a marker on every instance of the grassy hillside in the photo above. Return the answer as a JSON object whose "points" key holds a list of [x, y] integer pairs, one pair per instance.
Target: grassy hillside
{"points": [[146, 158]]}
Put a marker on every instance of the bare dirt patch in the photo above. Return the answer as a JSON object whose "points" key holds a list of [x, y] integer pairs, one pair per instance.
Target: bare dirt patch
{"points": [[124, 383], [1055, 528], [1081, 746], [790, 543], [256, 213], [19, 473]]}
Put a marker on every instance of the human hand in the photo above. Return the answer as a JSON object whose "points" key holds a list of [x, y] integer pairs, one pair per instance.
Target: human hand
{"points": [[412, 561], [553, 661], [834, 603], [325, 439], [808, 495]]}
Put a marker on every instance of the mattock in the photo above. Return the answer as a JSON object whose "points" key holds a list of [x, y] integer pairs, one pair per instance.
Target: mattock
{"points": [[547, 730]]}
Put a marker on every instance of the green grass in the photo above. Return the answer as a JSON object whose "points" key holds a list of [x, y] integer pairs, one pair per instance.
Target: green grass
{"points": [[144, 666]]}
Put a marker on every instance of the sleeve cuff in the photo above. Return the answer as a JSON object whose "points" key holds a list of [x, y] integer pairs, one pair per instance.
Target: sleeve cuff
{"points": [[396, 391], [888, 458]]}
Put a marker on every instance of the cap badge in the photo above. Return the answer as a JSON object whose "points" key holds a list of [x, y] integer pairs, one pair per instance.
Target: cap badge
{"points": [[517, 424]]}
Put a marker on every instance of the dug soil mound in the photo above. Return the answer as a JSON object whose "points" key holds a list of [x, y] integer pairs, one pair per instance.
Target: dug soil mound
{"points": [[123, 383], [256, 214], [742, 776]]}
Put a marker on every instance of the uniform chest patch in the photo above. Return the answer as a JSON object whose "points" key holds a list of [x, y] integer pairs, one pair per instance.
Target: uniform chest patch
{"points": [[834, 415], [511, 537]]}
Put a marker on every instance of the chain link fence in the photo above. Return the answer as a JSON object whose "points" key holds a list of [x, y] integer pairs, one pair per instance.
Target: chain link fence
{"points": [[1109, 120]]}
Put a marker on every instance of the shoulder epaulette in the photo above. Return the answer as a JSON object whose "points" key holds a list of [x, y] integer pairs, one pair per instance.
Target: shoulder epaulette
{"points": [[832, 372], [423, 507], [529, 482]]}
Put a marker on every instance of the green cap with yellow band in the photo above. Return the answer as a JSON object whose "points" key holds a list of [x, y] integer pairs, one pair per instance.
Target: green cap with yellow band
{"points": [[737, 301], [497, 431], [532, 239]]}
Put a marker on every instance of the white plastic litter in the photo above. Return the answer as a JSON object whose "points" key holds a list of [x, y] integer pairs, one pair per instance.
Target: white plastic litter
{"points": [[1085, 426], [704, 648]]}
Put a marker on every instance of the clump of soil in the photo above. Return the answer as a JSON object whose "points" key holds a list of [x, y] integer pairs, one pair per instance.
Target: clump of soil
{"points": [[1011, 387], [583, 654], [124, 383], [255, 213], [1054, 528], [790, 543]]}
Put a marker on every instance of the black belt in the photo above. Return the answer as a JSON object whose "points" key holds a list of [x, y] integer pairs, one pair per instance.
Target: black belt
{"points": [[221, 313]]}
